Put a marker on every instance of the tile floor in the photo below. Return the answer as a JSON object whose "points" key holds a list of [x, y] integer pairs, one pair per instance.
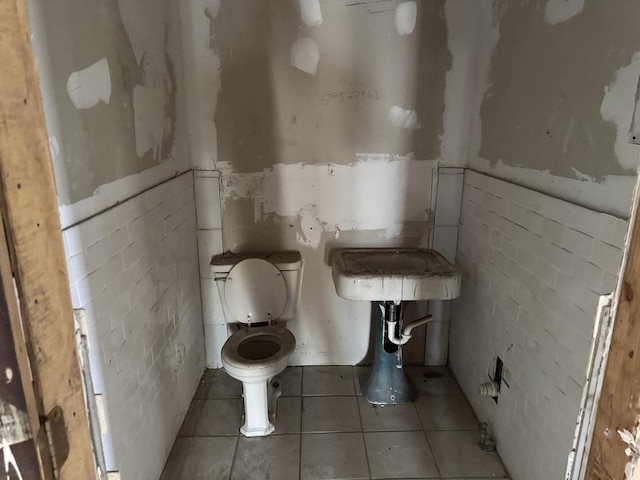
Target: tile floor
{"points": [[326, 430]]}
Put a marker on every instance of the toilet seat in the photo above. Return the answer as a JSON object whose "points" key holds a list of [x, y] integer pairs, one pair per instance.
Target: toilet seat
{"points": [[258, 348], [255, 291]]}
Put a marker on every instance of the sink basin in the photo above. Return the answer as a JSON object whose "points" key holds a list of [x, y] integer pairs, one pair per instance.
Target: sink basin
{"points": [[379, 274]]}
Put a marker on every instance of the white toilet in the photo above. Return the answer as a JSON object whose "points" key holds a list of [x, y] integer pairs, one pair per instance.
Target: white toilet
{"points": [[261, 292]]}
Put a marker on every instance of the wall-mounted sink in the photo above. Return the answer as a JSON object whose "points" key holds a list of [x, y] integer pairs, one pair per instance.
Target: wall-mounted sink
{"points": [[397, 274]]}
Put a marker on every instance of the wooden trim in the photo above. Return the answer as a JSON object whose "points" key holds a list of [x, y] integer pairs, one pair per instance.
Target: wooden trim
{"points": [[618, 407], [30, 211]]}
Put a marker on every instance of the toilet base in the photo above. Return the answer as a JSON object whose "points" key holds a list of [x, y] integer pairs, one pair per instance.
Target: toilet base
{"points": [[260, 407], [386, 383]]}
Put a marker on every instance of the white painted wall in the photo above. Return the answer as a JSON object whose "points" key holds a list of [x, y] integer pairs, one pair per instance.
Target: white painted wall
{"points": [[133, 268], [533, 269]]}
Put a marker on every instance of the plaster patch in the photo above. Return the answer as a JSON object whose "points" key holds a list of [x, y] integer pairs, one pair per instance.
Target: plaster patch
{"points": [[212, 7], [405, 18], [88, 87], [311, 227], [403, 118], [557, 11], [612, 196], [472, 35], [149, 102], [305, 55], [615, 109], [310, 12], [378, 192]]}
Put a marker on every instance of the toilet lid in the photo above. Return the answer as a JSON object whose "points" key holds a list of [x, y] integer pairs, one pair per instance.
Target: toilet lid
{"points": [[255, 291]]}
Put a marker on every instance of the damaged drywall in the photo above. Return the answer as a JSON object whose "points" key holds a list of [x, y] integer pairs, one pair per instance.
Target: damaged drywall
{"points": [[295, 90], [534, 118], [378, 192], [558, 101], [89, 86], [472, 33], [110, 75]]}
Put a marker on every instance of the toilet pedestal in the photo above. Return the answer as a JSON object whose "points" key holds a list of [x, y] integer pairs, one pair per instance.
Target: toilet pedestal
{"points": [[387, 383], [256, 409]]}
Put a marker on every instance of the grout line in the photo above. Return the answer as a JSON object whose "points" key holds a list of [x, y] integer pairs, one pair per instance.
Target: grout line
{"points": [[364, 443], [424, 432], [233, 459], [300, 434]]}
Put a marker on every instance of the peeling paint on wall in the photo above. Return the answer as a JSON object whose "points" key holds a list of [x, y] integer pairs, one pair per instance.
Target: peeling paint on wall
{"points": [[378, 192], [557, 11], [91, 85], [632, 451], [615, 108]]}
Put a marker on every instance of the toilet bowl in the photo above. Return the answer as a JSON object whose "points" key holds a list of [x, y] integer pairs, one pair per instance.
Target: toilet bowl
{"points": [[256, 292]]}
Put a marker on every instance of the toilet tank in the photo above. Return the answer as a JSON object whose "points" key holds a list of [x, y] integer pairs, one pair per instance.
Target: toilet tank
{"points": [[289, 263]]}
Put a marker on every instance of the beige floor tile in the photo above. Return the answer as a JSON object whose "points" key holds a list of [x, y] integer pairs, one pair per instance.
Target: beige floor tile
{"points": [[333, 455], [200, 458], [218, 384], [389, 418], [325, 380], [446, 412], [273, 457], [457, 454], [433, 380], [288, 415], [399, 455], [291, 381], [213, 417], [330, 414]]}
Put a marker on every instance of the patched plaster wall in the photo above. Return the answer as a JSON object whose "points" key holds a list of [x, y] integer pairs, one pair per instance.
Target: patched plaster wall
{"points": [[328, 124], [112, 84], [557, 103]]}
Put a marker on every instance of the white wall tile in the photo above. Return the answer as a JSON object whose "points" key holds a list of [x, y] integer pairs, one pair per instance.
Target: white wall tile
{"points": [[214, 337], [207, 191], [537, 314], [448, 197], [445, 241], [212, 312], [143, 305], [209, 244]]}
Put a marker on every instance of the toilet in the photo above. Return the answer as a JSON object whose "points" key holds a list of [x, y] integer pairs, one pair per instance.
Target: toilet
{"points": [[259, 294]]}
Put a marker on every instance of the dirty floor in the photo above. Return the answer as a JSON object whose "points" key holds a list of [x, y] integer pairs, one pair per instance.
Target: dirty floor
{"points": [[326, 430]]}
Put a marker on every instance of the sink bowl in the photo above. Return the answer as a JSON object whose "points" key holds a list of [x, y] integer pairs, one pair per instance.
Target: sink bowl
{"points": [[380, 274]]}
